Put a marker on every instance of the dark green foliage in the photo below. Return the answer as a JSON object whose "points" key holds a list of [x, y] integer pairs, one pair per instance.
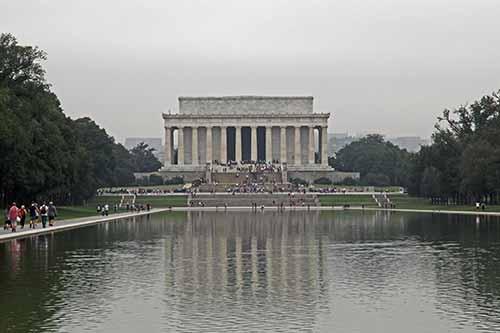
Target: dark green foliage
{"points": [[463, 162], [348, 182], [376, 179], [298, 181], [323, 181], [379, 162], [155, 180], [174, 181], [143, 158], [46, 155]]}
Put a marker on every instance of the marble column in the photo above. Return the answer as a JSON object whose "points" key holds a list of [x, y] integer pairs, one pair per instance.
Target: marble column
{"points": [[311, 145], [223, 144], [253, 149], [180, 146], [283, 144], [209, 144], [269, 144], [194, 150], [298, 152], [168, 146], [324, 146], [237, 143]]}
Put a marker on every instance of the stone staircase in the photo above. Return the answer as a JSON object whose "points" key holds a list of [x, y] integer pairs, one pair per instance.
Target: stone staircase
{"points": [[246, 200], [382, 200]]}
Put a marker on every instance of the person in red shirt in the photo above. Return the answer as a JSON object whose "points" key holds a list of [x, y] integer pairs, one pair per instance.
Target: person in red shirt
{"points": [[13, 215], [22, 215]]}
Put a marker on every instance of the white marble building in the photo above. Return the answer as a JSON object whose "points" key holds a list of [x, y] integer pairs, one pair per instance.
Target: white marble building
{"points": [[280, 129], [211, 130]]}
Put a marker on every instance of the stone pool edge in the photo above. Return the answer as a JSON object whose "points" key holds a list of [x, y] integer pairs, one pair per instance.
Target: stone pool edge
{"points": [[69, 224], [97, 220]]}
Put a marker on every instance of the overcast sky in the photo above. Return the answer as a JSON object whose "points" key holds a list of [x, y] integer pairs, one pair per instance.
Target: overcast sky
{"points": [[377, 65]]}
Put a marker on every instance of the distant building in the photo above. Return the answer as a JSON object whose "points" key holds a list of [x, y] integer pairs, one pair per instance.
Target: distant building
{"points": [[154, 143], [410, 143], [337, 141]]}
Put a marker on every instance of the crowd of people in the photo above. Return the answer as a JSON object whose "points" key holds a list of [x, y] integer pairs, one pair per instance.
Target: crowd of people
{"points": [[46, 213], [246, 166], [138, 191]]}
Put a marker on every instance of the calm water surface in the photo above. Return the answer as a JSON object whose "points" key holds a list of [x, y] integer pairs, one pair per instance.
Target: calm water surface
{"points": [[215, 272]]}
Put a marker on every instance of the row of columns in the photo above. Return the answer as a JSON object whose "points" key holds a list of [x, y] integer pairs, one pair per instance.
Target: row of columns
{"points": [[238, 151]]}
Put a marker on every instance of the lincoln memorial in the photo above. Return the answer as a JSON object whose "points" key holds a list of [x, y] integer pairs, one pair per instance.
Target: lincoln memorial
{"points": [[211, 131]]}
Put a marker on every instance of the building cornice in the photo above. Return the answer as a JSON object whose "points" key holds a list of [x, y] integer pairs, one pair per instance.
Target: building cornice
{"points": [[246, 116], [241, 97]]}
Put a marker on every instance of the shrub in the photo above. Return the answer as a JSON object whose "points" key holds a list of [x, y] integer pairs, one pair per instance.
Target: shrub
{"points": [[174, 181], [155, 180], [323, 181], [298, 181]]}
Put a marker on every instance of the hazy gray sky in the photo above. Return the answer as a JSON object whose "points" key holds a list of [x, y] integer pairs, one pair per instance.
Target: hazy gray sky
{"points": [[379, 66]]}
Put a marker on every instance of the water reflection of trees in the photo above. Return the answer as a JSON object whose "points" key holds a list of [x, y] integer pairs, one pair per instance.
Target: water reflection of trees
{"points": [[254, 270]]}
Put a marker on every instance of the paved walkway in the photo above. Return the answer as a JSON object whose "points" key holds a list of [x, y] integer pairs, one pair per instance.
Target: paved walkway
{"points": [[68, 224]]}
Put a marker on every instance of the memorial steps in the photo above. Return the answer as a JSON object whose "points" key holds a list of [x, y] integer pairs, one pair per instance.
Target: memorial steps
{"points": [[246, 177]]}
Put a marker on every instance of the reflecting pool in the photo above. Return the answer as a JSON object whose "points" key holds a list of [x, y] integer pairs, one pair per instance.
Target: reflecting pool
{"points": [[266, 271]]}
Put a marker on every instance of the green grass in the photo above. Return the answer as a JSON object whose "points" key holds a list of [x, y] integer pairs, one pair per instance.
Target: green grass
{"points": [[89, 209], [73, 212], [347, 199], [163, 201]]}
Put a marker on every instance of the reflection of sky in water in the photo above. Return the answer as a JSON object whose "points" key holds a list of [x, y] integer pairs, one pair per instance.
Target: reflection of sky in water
{"points": [[342, 271]]}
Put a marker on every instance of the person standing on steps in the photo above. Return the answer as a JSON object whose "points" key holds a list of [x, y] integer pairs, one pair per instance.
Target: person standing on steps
{"points": [[52, 212], [44, 214]]}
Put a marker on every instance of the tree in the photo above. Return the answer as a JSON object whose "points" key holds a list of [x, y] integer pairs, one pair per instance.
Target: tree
{"points": [[143, 158], [463, 161], [431, 182], [45, 154], [378, 161]]}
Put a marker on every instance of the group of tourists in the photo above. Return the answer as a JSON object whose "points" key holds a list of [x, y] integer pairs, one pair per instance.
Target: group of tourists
{"points": [[45, 213], [246, 166]]}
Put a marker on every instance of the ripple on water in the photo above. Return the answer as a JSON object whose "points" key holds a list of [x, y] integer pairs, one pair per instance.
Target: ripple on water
{"points": [[258, 272]]}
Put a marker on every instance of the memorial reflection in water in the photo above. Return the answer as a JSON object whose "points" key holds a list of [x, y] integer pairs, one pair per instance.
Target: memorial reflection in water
{"points": [[263, 271]]}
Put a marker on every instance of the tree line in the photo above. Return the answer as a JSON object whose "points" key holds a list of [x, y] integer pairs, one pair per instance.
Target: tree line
{"points": [[46, 154], [460, 166]]}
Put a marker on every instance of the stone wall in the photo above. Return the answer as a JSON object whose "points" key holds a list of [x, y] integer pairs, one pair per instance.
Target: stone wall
{"points": [[246, 104]]}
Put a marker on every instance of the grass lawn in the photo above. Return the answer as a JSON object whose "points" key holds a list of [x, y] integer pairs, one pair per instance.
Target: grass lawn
{"points": [[346, 199], [407, 202], [72, 212], [163, 201], [89, 209]]}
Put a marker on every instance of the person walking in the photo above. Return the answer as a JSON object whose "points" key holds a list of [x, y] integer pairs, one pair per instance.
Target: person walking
{"points": [[13, 216], [7, 220], [52, 212], [22, 215], [106, 209], [34, 212], [44, 214]]}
